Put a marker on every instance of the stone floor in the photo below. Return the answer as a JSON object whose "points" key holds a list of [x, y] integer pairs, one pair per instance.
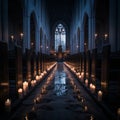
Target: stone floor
{"points": [[60, 97]]}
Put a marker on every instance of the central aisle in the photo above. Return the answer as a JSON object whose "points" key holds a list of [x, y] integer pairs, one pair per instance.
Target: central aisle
{"points": [[60, 97]]}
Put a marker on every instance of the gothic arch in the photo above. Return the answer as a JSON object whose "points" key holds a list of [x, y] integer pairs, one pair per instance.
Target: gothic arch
{"points": [[67, 34]]}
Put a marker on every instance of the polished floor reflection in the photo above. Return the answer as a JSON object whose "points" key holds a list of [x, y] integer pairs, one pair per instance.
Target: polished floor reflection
{"points": [[59, 97], [60, 81]]}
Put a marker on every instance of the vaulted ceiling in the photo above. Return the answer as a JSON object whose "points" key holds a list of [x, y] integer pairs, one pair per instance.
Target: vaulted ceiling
{"points": [[60, 10]]}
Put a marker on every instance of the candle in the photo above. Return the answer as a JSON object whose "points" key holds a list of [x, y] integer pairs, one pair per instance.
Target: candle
{"points": [[8, 105], [91, 117], [106, 35], [20, 92], [37, 77], [85, 108], [25, 87], [32, 83], [99, 95], [86, 82], [93, 88], [80, 76]]}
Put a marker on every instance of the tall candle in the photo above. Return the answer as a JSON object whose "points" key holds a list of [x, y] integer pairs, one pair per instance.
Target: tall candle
{"points": [[93, 88], [100, 95], [25, 87], [20, 92], [85, 108], [86, 82], [8, 105]]}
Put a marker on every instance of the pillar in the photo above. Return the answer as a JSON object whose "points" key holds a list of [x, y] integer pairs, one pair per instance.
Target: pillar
{"points": [[93, 67], [28, 57], [4, 74], [15, 71], [105, 68], [88, 65], [113, 21]]}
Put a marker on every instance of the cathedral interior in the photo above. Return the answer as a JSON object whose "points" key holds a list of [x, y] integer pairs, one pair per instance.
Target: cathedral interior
{"points": [[59, 59]]}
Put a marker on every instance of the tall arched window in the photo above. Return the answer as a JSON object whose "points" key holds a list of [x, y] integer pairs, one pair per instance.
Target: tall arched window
{"points": [[60, 37]]}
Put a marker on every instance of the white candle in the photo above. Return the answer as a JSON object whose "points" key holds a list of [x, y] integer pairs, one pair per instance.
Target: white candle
{"points": [[8, 105], [80, 76], [85, 108], [93, 88], [91, 117], [100, 95], [25, 87], [20, 92], [86, 82], [37, 77]]}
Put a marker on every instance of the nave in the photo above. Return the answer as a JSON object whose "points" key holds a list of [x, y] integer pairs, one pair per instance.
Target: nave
{"points": [[59, 97], [38, 35]]}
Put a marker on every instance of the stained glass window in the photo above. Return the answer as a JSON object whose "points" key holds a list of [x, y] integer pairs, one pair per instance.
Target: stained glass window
{"points": [[60, 37]]}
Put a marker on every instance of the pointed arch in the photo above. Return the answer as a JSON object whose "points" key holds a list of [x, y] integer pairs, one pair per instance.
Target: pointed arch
{"points": [[60, 37], [53, 35]]}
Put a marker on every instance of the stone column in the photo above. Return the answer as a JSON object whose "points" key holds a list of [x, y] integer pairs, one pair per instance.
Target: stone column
{"points": [[15, 70], [19, 71], [93, 72], [88, 64], [105, 68], [28, 57], [5, 20], [113, 20], [4, 74], [38, 63]]}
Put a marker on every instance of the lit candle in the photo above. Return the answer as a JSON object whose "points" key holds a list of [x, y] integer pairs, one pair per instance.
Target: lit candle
{"points": [[100, 95], [93, 88], [8, 105], [91, 117], [20, 92], [12, 37], [96, 35], [85, 108], [86, 82], [37, 77], [106, 35], [80, 76], [25, 87]]}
